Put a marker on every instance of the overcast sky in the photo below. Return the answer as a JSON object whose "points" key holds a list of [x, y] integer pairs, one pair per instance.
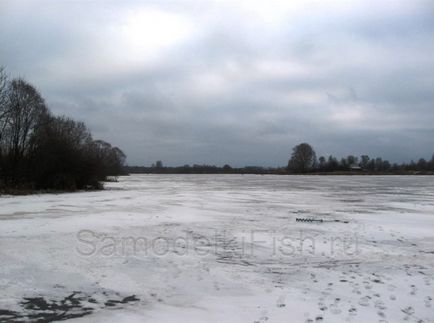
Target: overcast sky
{"points": [[238, 82]]}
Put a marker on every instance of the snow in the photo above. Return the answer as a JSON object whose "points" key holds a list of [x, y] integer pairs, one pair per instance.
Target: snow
{"points": [[222, 248]]}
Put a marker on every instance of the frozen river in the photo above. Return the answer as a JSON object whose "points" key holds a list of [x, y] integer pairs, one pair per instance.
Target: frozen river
{"points": [[222, 248]]}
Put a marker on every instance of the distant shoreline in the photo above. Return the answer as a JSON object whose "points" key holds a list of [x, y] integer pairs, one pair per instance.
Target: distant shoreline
{"points": [[175, 171]]}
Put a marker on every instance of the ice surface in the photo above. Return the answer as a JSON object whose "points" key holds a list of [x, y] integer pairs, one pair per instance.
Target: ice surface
{"points": [[222, 248]]}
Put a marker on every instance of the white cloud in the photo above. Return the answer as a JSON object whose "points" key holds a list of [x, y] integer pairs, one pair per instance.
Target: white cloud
{"points": [[143, 33]]}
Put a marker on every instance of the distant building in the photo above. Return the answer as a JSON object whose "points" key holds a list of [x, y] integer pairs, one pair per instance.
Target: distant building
{"points": [[356, 168]]}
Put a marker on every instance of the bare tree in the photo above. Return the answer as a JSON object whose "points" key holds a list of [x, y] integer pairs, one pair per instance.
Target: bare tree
{"points": [[159, 164], [3, 101], [364, 161], [112, 159], [26, 110], [303, 158], [322, 163], [352, 160]]}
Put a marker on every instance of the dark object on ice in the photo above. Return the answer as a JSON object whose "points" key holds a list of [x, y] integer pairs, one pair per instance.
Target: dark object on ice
{"points": [[40, 309], [308, 220], [112, 302], [318, 220]]}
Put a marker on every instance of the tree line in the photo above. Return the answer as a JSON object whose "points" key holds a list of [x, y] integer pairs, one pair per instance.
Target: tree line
{"points": [[39, 150], [303, 160]]}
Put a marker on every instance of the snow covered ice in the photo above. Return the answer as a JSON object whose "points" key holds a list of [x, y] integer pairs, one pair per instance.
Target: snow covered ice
{"points": [[222, 248]]}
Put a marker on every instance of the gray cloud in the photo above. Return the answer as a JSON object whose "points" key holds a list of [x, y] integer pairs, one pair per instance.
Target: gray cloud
{"points": [[239, 83]]}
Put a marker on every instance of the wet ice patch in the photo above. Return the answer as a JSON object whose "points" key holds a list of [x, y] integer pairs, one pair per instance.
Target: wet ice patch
{"points": [[74, 305]]}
